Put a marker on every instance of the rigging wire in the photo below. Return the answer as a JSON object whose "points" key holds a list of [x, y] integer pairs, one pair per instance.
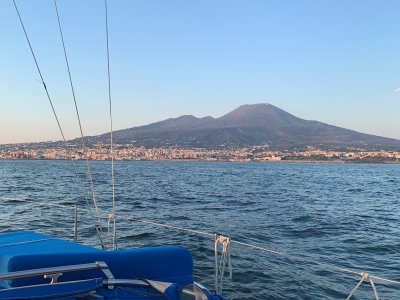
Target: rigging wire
{"points": [[112, 215], [40, 73], [45, 87], [48, 96], [292, 258], [99, 228]]}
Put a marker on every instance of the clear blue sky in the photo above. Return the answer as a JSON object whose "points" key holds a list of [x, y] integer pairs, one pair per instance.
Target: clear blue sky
{"points": [[332, 61]]}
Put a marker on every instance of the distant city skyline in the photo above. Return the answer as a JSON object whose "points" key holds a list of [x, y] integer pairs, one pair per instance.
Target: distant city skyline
{"points": [[331, 61]]}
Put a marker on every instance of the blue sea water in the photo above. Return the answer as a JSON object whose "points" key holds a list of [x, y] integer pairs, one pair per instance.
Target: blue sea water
{"points": [[323, 217]]}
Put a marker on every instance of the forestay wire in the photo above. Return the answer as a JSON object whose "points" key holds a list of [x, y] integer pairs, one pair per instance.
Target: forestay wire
{"points": [[40, 73], [51, 102], [99, 228], [112, 216]]}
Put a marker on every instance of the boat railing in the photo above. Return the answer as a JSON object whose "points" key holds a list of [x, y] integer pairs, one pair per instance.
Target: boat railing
{"points": [[223, 264], [73, 208], [54, 272], [221, 248], [367, 278], [193, 290]]}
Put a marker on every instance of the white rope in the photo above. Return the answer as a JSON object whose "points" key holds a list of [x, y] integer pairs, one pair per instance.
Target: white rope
{"points": [[374, 289], [221, 261], [356, 287], [111, 217], [224, 258], [198, 232], [372, 280], [264, 249], [375, 278]]}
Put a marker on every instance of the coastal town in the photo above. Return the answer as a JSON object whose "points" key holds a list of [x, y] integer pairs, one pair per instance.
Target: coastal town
{"points": [[246, 154]]}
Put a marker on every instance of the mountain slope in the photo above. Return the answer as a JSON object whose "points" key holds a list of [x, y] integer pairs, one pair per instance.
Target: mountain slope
{"points": [[248, 125]]}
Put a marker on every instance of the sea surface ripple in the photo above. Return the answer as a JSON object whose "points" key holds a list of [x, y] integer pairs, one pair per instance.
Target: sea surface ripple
{"points": [[323, 217]]}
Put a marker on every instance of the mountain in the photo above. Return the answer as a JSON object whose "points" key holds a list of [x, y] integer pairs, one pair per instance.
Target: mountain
{"points": [[248, 125]]}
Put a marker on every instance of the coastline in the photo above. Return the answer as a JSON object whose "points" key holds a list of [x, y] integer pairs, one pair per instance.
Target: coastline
{"points": [[293, 161]]}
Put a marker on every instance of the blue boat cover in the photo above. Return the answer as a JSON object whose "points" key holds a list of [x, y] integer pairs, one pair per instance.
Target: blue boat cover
{"points": [[24, 250]]}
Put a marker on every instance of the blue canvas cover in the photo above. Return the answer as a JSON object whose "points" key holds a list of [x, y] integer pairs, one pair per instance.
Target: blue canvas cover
{"points": [[24, 250]]}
